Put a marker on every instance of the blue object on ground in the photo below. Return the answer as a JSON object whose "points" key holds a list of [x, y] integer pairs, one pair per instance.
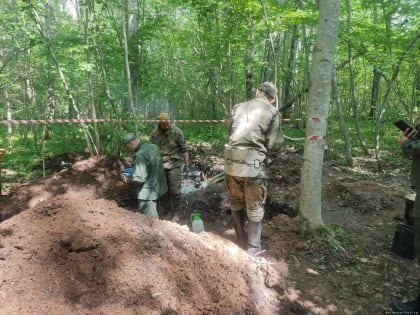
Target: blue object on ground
{"points": [[128, 171]]}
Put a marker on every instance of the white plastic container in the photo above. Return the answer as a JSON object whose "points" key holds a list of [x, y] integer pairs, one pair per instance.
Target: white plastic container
{"points": [[197, 223]]}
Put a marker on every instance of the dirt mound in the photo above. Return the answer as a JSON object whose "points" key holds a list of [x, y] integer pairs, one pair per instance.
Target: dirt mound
{"points": [[76, 253], [68, 247]]}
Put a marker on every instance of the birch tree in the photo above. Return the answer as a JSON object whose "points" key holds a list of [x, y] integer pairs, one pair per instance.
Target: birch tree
{"points": [[88, 138], [316, 123], [127, 61]]}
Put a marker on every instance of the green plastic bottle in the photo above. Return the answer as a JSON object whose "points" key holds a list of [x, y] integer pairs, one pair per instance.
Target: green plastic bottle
{"points": [[197, 223]]}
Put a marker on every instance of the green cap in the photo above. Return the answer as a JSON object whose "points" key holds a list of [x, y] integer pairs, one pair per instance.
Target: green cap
{"points": [[129, 137], [195, 216]]}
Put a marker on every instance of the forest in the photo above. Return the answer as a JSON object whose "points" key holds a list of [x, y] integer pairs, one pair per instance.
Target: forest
{"points": [[128, 60], [76, 75], [103, 68]]}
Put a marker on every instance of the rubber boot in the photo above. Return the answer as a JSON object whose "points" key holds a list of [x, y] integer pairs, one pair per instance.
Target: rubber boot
{"points": [[166, 210], [238, 221], [410, 307], [254, 238], [175, 202]]}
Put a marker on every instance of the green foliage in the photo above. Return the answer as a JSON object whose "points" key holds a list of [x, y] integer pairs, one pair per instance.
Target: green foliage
{"points": [[388, 135], [335, 238], [192, 58], [207, 132], [26, 150]]}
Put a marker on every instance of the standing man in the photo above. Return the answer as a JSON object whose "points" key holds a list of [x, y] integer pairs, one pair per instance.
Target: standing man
{"points": [[254, 130], [171, 143], [410, 145], [148, 174]]}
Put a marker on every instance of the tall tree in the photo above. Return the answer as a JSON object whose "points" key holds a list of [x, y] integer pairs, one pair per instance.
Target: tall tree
{"points": [[49, 23], [35, 16], [86, 15], [343, 125], [134, 46], [127, 58], [376, 80], [353, 93], [316, 123]]}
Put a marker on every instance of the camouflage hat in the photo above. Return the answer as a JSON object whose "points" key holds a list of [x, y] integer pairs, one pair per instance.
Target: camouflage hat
{"points": [[163, 116], [129, 137], [269, 89]]}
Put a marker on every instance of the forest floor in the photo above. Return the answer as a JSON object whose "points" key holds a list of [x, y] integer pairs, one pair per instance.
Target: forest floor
{"points": [[72, 243]]}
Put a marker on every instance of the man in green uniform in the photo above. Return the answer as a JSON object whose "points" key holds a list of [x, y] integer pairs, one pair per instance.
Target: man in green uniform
{"points": [[410, 145], [254, 131], [171, 143], [148, 174]]}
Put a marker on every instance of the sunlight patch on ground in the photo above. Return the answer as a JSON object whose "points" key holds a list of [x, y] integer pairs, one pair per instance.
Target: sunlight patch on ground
{"points": [[220, 243]]}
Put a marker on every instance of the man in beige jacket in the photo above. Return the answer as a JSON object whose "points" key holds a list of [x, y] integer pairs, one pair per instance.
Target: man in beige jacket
{"points": [[254, 130]]}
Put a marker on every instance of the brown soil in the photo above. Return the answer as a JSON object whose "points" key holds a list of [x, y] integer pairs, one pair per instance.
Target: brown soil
{"points": [[72, 243]]}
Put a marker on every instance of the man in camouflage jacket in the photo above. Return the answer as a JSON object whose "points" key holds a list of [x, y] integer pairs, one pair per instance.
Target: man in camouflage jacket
{"points": [[410, 145], [254, 130], [171, 143]]}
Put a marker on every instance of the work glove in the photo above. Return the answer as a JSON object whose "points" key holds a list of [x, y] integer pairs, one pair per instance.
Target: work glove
{"points": [[128, 171]]}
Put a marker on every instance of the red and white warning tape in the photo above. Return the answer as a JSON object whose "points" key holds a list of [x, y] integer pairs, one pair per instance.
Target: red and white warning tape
{"points": [[50, 121], [91, 120], [187, 120]]}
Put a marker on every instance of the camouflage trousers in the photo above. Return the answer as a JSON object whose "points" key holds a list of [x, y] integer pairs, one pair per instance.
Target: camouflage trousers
{"points": [[171, 201], [416, 215], [149, 207], [417, 238], [247, 193]]}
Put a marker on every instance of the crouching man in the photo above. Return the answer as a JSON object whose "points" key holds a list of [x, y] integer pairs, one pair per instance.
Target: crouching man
{"points": [[148, 174]]}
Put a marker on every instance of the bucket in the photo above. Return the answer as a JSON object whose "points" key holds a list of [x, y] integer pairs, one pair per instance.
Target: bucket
{"points": [[196, 223], [403, 242]]}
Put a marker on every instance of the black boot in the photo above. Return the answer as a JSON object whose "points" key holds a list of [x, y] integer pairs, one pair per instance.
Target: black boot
{"points": [[254, 238], [175, 202], [238, 221], [410, 306]]}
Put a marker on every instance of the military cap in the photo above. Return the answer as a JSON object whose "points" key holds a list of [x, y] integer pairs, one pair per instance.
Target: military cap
{"points": [[129, 137], [163, 116], [269, 89]]}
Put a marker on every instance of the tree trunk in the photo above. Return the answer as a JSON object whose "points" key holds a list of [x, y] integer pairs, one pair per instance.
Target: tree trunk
{"points": [[49, 21], [86, 134], [9, 112], [134, 47], [343, 126], [290, 78], [316, 126], [249, 75], [415, 94], [127, 62], [354, 100], [86, 23], [374, 98], [269, 73]]}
